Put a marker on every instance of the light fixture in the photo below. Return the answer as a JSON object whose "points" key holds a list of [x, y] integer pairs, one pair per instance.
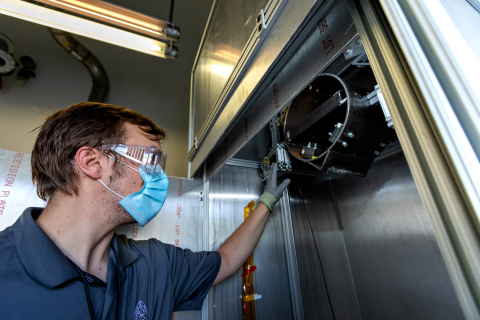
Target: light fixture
{"points": [[100, 20]]}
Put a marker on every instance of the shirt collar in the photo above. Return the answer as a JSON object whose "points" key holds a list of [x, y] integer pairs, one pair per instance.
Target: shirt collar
{"points": [[44, 261], [126, 255]]}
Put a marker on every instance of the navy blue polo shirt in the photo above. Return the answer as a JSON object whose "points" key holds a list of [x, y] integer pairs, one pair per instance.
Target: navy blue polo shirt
{"points": [[37, 281]]}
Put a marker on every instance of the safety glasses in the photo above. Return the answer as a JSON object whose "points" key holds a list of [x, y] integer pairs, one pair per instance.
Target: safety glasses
{"points": [[153, 160]]}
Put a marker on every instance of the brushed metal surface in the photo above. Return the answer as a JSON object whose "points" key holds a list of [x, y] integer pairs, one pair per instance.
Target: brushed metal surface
{"points": [[180, 222], [396, 264], [327, 285], [229, 29], [18, 192], [441, 186], [230, 190], [290, 22], [310, 58]]}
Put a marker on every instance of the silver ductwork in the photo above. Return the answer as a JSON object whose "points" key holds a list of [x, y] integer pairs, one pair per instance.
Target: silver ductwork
{"points": [[100, 85]]}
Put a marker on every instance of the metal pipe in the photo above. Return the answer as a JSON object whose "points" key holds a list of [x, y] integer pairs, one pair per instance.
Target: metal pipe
{"points": [[100, 85]]}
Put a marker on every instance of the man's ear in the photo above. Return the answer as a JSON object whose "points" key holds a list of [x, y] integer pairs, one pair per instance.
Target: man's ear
{"points": [[91, 162]]}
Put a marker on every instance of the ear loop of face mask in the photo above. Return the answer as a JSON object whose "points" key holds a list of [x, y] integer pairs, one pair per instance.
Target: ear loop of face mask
{"points": [[121, 163]]}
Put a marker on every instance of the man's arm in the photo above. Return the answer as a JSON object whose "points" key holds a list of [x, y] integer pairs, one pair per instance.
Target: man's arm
{"points": [[240, 244]]}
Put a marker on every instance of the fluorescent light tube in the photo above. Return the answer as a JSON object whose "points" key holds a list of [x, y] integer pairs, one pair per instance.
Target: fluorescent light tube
{"points": [[92, 29]]}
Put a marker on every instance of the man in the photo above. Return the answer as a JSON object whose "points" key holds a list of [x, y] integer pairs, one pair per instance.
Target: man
{"points": [[101, 166]]}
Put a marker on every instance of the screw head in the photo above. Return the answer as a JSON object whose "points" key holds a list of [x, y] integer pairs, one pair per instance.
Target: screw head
{"points": [[350, 135], [382, 145], [348, 51], [344, 144], [358, 41], [376, 152], [310, 87]]}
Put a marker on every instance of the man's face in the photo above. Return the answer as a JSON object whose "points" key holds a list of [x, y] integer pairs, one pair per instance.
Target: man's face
{"points": [[124, 180]]}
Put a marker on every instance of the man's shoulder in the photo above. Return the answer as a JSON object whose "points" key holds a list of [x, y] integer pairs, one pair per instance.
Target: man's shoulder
{"points": [[7, 249], [6, 238], [151, 249]]}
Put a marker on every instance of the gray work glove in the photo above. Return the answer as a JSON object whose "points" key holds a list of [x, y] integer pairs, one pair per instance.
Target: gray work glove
{"points": [[272, 192]]}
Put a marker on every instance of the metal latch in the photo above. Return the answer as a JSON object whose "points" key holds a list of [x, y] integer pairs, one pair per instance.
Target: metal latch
{"points": [[383, 104]]}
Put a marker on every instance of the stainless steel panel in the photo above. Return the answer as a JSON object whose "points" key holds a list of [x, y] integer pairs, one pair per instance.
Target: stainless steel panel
{"points": [[327, 285], [228, 30], [17, 191], [290, 22], [433, 165], [318, 50], [396, 264], [180, 222], [230, 190]]}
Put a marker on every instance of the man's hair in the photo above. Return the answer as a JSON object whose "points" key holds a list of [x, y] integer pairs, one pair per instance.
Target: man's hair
{"points": [[88, 124]]}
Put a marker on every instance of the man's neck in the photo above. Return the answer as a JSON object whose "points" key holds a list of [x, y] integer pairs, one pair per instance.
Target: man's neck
{"points": [[80, 230]]}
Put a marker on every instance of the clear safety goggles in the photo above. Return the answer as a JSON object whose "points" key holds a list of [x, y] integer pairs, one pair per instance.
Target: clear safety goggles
{"points": [[153, 160]]}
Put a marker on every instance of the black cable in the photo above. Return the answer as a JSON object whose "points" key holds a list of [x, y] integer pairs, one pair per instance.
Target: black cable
{"points": [[171, 11], [117, 310], [314, 241], [87, 292]]}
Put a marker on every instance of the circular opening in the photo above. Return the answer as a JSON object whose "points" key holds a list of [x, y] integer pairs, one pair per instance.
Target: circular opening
{"points": [[316, 118], [2, 62]]}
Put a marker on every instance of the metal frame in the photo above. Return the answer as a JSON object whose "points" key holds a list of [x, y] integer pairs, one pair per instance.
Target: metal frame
{"points": [[291, 253], [244, 163], [206, 233], [428, 156]]}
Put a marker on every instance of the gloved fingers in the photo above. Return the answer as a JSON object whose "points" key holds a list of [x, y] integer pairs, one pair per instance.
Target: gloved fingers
{"points": [[283, 186], [272, 180]]}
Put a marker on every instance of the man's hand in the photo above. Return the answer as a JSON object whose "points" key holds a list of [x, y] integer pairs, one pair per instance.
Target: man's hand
{"points": [[241, 243], [272, 192]]}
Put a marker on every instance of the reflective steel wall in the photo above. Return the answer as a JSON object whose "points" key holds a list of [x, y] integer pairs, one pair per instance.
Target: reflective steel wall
{"points": [[377, 248], [230, 190]]}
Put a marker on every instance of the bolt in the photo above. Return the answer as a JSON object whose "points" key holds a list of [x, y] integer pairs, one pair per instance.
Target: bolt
{"points": [[260, 28], [259, 18], [309, 145], [348, 51], [376, 152], [310, 87], [382, 145], [315, 146], [344, 144], [358, 41], [350, 135], [201, 193]]}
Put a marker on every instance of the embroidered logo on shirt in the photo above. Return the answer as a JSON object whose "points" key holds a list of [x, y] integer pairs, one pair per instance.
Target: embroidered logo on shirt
{"points": [[140, 311]]}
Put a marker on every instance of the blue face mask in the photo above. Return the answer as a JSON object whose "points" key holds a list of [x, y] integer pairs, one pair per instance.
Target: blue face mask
{"points": [[145, 204]]}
